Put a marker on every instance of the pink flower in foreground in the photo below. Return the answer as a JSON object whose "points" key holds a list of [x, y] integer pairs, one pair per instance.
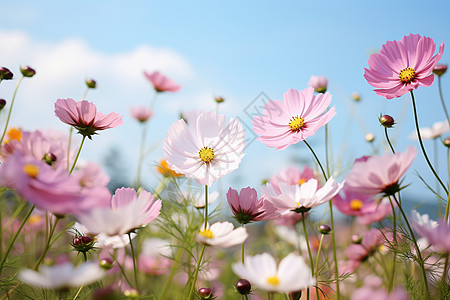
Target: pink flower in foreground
{"points": [[161, 83], [380, 174], [206, 149], [298, 116], [141, 113], [319, 83], [401, 66], [83, 115], [127, 212], [246, 206]]}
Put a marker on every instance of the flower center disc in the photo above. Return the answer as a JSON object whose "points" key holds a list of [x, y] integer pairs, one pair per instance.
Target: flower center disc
{"points": [[206, 154], [356, 204], [301, 181], [296, 123], [407, 75], [207, 233], [273, 280], [31, 170]]}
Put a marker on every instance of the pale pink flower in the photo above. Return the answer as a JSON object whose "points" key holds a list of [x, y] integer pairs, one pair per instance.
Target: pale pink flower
{"points": [[155, 256], [141, 113], [246, 206], [352, 203], [377, 293], [401, 66], [206, 149], [93, 184], [292, 176], [319, 83], [301, 198], [298, 116], [436, 233], [127, 211], [380, 174], [370, 243], [161, 83], [83, 115], [222, 234], [382, 210], [436, 130], [291, 275]]}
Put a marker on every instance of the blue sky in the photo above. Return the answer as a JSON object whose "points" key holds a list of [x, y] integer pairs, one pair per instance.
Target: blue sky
{"points": [[235, 49]]}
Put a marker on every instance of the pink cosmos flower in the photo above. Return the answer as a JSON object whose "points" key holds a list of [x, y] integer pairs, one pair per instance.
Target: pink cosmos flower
{"points": [[380, 174], [206, 149], [292, 176], [161, 83], [377, 293], [127, 211], [246, 206], [401, 66], [298, 116], [83, 115], [436, 233], [141, 113], [301, 198], [319, 83], [369, 245], [381, 211], [352, 203], [93, 184]]}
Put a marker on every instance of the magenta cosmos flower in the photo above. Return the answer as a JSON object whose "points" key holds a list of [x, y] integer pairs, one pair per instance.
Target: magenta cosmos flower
{"points": [[298, 116], [380, 174], [161, 83], [206, 149], [246, 206], [401, 66], [127, 211], [83, 115], [352, 203]]}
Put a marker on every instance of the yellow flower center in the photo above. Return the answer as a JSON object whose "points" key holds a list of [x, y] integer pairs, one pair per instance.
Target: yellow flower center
{"points": [[407, 75], [34, 219], [207, 233], [206, 154], [296, 123], [301, 181], [356, 204], [273, 280], [14, 134], [31, 170]]}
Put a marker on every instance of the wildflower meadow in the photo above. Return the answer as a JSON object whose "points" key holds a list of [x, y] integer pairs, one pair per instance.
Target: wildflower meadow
{"points": [[319, 228]]}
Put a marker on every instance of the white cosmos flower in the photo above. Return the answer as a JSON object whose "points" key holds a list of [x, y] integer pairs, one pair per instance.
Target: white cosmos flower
{"points": [[222, 234], [206, 148], [62, 276], [261, 270], [427, 133]]}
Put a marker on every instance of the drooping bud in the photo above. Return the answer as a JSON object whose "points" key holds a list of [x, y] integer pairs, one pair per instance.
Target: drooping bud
{"points": [[386, 121], [446, 142], [106, 263], [295, 295], [324, 229], [319, 83], [2, 103], [370, 137], [243, 287], [5, 74], [439, 69], [205, 293], [91, 83], [219, 99], [27, 71]]}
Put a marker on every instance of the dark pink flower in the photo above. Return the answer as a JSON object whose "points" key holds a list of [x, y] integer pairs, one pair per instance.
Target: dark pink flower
{"points": [[246, 206], [298, 116], [161, 83], [83, 115], [401, 66]]}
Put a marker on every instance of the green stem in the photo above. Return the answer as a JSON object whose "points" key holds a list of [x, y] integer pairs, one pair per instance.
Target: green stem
{"points": [[47, 245], [15, 237], [78, 154], [171, 275], [243, 251], [141, 154], [78, 292], [161, 186], [388, 140], [317, 160], [448, 195], [134, 263], [15, 214], [153, 101], [121, 269], [422, 147], [317, 265], [10, 108], [309, 249], [442, 99], [391, 280], [197, 267], [68, 147], [206, 206]]}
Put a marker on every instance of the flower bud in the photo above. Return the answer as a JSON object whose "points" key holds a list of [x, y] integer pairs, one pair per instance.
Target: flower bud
{"points": [[131, 294], [83, 243], [243, 287], [5, 74], [106, 263], [439, 69], [205, 293], [386, 121], [446, 142], [356, 239], [2, 103], [49, 158], [91, 83], [324, 229], [27, 71], [370, 137], [295, 295], [219, 99], [356, 96]]}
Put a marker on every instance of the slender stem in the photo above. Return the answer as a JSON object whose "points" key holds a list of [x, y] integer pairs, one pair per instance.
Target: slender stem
{"points": [[447, 208], [47, 245], [391, 280], [327, 162], [153, 101], [422, 147], [85, 93], [78, 292], [141, 154], [197, 267], [309, 249], [15, 214], [317, 266], [388, 140], [317, 160], [445, 273], [206, 206], [171, 275], [15, 237], [419, 254], [442, 99], [134, 263], [161, 186], [68, 147], [121, 269], [78, 154], [10, 108], [243, 253]]}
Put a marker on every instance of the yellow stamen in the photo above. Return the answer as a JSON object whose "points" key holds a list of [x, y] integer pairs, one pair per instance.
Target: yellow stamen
{"points": [[273, 280], [34, 219], [207, 233], [31, 170], [206, 154], [356, 204], [296, 123], [301, 181], [407, 75], [15, 134]]}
